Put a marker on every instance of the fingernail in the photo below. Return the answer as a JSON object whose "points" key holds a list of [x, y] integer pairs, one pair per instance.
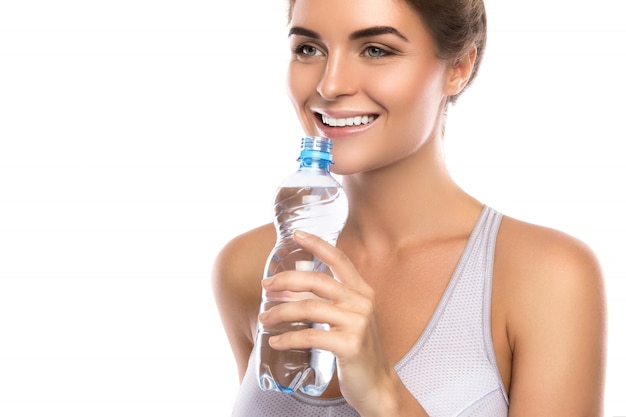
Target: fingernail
{"points": [[267, 282], [299, 234], [273, 341]]}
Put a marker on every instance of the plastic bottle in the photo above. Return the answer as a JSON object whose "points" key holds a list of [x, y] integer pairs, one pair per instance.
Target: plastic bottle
{"points": [[313, 201]]}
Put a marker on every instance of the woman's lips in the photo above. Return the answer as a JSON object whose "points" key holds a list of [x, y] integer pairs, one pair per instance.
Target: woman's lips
{"points": [[338, 127]]}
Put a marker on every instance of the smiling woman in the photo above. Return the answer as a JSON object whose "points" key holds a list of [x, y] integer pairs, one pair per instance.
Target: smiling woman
{"points": [[114, 201], [388, 70], [440, 305]]}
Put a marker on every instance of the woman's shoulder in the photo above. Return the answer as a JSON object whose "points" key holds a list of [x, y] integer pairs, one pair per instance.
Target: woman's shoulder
{"points": [[540, 274], [528, 247]]}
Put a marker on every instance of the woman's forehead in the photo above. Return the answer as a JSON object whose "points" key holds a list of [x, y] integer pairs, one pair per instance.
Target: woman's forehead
{"points": [[353, 15]]}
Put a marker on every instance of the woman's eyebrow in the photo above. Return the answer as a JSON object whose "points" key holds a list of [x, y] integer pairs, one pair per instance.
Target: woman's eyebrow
{"points": [[363, 33], [297, 30], [377, 30]]}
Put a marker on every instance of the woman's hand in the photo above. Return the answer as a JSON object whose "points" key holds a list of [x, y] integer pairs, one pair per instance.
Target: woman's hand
{"points": [[347, 305]]}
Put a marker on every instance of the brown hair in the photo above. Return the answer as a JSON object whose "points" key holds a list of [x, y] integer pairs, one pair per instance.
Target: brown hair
{"points": [[456, 27]]}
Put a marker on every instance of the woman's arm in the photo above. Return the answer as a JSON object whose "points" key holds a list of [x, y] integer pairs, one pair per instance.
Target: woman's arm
{"points": [[556, 324], [236, 282]]}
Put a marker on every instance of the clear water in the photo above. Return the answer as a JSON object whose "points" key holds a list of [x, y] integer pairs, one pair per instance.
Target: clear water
{"points": [[321, 211], [307, 370]]}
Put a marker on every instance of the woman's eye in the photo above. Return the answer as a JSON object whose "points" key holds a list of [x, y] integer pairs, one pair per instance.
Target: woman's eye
{"points": [[375, 52], [307, 50]]}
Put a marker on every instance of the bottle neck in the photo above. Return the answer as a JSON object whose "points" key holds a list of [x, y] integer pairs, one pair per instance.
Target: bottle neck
{"points": [[315, 163]]}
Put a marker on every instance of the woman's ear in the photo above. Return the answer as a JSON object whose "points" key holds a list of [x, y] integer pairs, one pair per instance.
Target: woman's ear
{"points": [[459, 73]]}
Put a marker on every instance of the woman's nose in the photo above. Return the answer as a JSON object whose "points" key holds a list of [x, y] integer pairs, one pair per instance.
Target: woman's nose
{"points": [[338, 79]]}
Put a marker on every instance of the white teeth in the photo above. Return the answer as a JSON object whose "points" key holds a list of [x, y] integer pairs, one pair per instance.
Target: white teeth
{"points": [[347, 121]]}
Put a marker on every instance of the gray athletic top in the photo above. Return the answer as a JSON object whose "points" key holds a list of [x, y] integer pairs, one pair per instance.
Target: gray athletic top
{"points": [[451, 369]]}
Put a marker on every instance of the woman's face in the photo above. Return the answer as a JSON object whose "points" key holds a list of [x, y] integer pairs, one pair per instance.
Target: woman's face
{"points": [[364, 73]]}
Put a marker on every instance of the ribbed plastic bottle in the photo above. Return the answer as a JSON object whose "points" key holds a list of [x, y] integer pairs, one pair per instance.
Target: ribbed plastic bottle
{"points": [[311, 200]]}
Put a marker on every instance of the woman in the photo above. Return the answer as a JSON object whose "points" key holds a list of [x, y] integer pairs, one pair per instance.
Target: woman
{"points": [[441, 306]]}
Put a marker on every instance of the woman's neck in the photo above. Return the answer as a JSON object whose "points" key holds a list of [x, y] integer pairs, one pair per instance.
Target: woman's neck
{"points": [[413, 198]]}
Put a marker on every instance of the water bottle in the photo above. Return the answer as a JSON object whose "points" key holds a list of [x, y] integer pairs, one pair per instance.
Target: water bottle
{"points": [[313, 201]]}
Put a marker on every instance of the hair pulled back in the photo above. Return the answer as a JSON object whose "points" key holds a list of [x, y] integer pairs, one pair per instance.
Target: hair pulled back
{"points": [[456, 27]]}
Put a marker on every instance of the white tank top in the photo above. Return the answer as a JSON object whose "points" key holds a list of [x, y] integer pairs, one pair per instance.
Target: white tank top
{"points": [[451, 369]]}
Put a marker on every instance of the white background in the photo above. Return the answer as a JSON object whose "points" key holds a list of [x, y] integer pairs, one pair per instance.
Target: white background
{"points": [[137, 137]]}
